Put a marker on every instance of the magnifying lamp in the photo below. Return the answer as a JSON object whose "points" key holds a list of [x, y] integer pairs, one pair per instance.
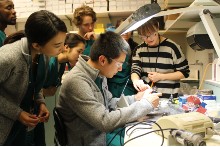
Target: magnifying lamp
{"points": [[138, 18]]}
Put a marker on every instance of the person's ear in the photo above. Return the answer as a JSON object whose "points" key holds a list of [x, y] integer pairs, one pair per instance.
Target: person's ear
{"points": [[102, 60], [66, 48], [37, 47]]}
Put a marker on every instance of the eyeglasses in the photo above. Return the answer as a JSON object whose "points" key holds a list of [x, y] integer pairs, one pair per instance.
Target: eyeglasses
{"points": [[117, 63], [148, 36]]}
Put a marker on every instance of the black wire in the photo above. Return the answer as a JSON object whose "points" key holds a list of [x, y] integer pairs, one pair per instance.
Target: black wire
{"points": [[138, 129], [136, 125], [161, 132], [120, 131], [146, 134]]}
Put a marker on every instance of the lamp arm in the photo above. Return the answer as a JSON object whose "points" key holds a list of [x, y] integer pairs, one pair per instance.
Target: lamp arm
{"points": [[211, 29]]}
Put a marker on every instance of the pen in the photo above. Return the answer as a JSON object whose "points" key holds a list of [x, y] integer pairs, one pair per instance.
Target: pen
{"points": [[152, 84]]}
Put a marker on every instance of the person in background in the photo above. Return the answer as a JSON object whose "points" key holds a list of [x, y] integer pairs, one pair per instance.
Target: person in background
{"points": [[86, 105], [7, 17], [158, 61], [84, 19], [19, 84], [74, 46], [117, 84], [121, 82]]}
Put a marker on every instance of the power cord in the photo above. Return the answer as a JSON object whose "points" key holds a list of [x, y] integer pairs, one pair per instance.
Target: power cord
{"points": [[204, 74], [144, 123], [120, 131], [160, 129], [149, 133]]}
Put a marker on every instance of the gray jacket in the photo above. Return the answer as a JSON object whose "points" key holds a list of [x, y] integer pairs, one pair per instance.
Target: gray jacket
{"points": [[86, 112], [15, 63]]}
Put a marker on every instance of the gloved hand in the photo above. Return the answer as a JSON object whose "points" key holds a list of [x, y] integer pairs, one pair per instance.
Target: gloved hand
{"points": [[139, 85], [153, 98]]}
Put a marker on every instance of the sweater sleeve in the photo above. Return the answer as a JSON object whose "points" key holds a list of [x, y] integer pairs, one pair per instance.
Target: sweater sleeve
{"points": [[8, 108], [136, 62], [88, 104], [179, 61]]}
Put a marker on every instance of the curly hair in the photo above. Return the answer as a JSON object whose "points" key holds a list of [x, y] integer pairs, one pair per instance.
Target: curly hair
{"points": [[82, 11]]}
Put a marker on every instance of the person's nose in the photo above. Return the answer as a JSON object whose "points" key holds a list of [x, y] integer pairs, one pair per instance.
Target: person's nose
{"points": [[61, 49], [120, 68], [13, 11]]}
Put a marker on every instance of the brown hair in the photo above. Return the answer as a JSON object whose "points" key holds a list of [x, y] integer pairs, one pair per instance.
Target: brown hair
{"points": [[82, 11], [150, 26]]}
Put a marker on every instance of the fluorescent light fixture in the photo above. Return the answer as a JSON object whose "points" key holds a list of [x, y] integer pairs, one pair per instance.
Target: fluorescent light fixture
{"points": [[138, 18]]}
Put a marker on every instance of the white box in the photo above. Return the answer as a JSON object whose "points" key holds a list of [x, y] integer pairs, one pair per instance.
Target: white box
{"points": [[112, 8], [68, 6], [97, 4], [69, 10], [119, 3], [69, 1]]}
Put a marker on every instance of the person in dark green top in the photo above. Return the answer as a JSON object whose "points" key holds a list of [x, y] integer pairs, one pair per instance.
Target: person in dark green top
{"points": [[117, 84], [21, 91], [74, 46], [7, 17], [84, 18]]}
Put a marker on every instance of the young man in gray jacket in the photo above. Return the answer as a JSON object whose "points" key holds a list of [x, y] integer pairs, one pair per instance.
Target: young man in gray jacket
{"points": [[86, 105]]}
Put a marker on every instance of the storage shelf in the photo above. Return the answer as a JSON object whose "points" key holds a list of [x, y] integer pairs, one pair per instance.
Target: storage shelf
{"points": [[214, 83], [189, 16], [98, 14]]}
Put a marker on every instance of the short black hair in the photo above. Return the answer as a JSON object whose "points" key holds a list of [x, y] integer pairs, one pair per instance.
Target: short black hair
{"points": [[41, 26], [110, 45]]}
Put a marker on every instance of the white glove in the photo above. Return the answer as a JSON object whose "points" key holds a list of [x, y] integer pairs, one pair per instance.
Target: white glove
{"points": [[139, 85]]}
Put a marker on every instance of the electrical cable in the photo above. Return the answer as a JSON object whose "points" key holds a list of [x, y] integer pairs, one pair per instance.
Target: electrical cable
{"points": [[148, 133], [138, 129], [160, 129], [204, 74], [120, 131], [144, 123]]}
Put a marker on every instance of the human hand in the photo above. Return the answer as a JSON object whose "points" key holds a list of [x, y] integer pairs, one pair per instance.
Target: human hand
{"points": [[89, 36], [139, 85], [28, 119], [153, 98], [154, 76], [43, 113], [142, 94]]}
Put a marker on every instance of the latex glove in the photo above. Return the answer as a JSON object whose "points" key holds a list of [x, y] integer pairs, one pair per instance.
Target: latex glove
{"points": [[28, 119], [142, 94], [139, 85], [153, 99]]}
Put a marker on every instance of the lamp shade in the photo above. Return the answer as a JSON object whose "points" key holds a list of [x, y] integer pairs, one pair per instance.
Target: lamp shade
{"points": [[139, 17]]}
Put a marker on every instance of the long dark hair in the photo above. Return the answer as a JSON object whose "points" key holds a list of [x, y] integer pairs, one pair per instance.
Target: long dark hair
{"points": [[41, 26]]}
